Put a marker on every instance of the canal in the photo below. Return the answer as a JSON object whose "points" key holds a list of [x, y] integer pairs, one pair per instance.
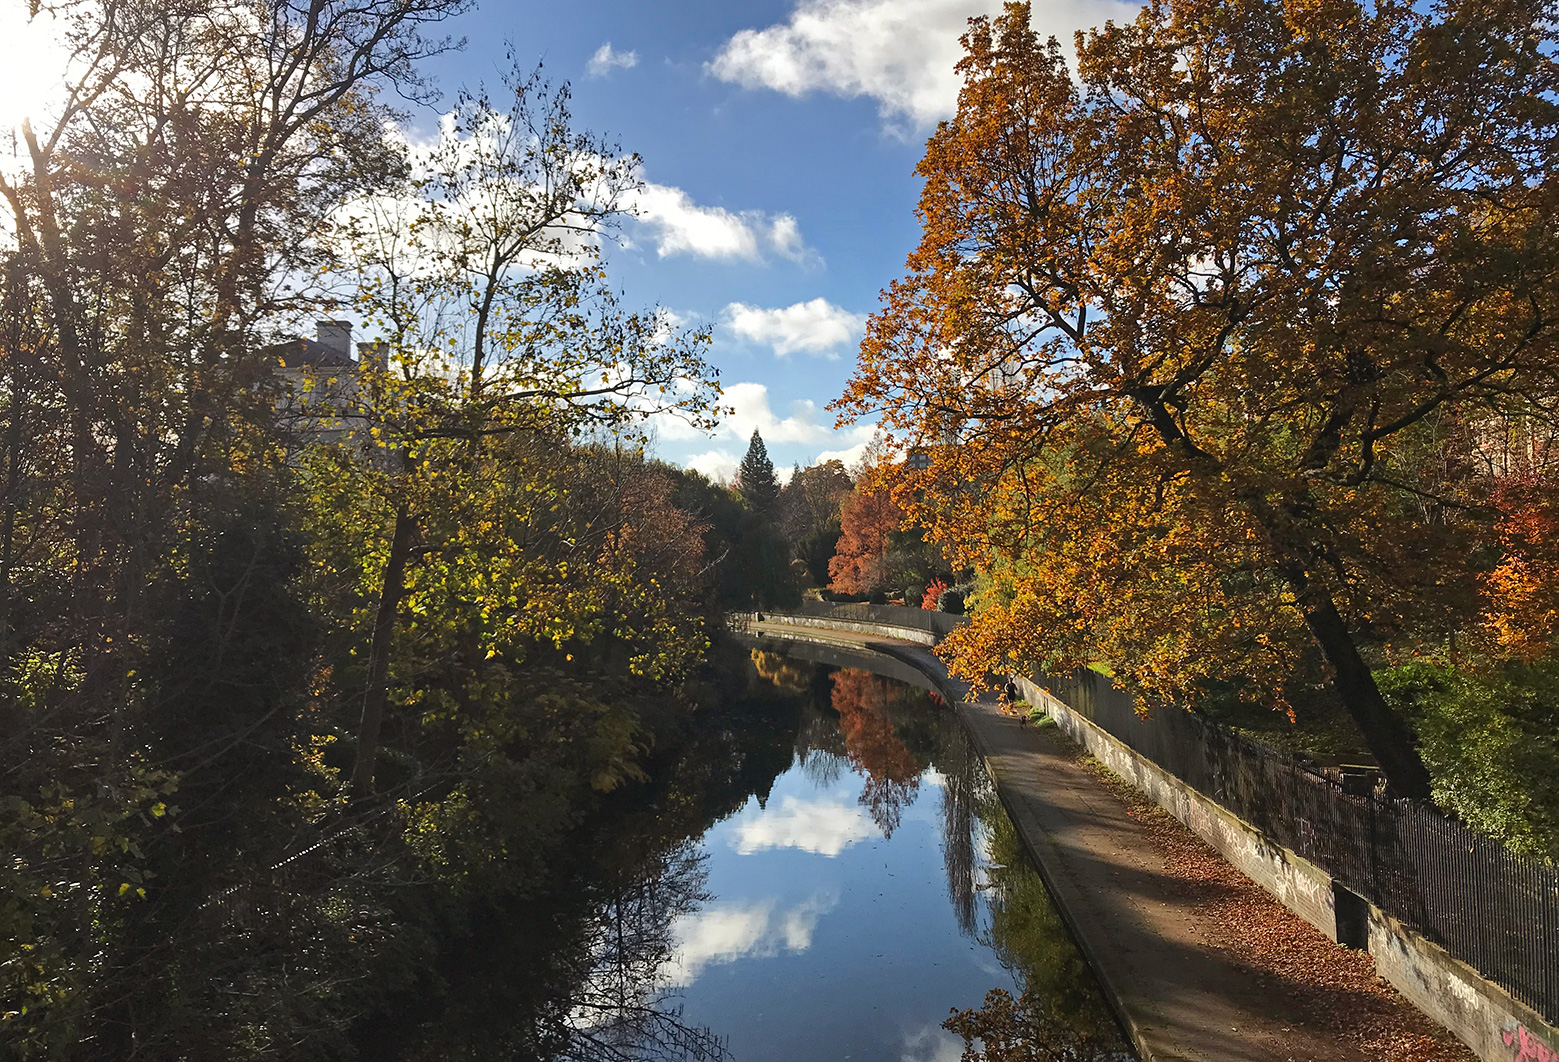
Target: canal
{"points": [[859, 884]]}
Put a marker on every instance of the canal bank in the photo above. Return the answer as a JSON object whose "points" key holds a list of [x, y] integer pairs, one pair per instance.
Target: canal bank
{"points": [[1158, 932]]}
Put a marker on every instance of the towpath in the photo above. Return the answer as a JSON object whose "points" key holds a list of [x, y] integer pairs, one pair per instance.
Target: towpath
{"points": [[1152, 910]]}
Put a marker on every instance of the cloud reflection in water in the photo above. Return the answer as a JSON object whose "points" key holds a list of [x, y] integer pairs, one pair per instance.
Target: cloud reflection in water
{"points": [[932, 1043], [818, 826], [725, 932]]}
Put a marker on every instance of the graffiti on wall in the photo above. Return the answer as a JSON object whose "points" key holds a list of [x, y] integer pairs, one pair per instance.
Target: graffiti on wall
{"points": [[1527, 1046]]}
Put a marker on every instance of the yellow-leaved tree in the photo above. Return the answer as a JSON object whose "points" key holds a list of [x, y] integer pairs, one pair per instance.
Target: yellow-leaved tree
{"points": [[1217, 328], [507, 361]]}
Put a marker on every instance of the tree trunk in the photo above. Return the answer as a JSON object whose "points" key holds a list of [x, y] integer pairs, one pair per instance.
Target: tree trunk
{"points": [[15, 461], [392, 588], [1387, 736]]}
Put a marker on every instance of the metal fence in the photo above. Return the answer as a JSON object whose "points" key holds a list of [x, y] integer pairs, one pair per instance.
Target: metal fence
{"points": [[1466, 892]]}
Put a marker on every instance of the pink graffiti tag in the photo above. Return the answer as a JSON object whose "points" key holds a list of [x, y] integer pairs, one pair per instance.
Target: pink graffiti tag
{"points": [[1532, 1049]]}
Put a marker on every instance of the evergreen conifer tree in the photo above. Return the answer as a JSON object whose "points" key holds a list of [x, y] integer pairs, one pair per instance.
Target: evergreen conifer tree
{"points": [[756, 482]]}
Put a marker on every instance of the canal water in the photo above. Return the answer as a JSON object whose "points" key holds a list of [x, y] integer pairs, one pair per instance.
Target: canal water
{"points": [[847, 907]]}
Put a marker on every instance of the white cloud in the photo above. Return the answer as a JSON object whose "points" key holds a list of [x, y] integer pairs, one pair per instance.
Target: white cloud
{"points": [[816, 826], [751, 411], [816, 327], [606, 59], [683, 227], [900, 53], [850, 456], [678, 225], [721, 465], [718, 465], [785, 235], [725, 932], [671, 427], [932, 1043], [665, 216]]}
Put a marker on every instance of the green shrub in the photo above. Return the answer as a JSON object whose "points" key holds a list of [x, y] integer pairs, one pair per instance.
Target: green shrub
{"points": [[1491, 743]]}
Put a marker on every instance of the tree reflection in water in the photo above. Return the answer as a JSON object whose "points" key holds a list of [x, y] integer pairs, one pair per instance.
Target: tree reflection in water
{"points": [[621, 1013], [964, 781], [897, 737], [1060, 1014], [819, 745], [894, 734], [567, 964], [892, 773], [561, 953]]}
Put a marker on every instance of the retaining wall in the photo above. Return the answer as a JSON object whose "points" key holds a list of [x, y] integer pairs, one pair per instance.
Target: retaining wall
{"points": [[882, 630], [1496, 1027], [938, 623], [801, 645]]}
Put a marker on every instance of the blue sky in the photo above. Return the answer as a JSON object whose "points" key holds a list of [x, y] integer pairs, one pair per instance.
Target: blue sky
{"points": [[779, 140]]}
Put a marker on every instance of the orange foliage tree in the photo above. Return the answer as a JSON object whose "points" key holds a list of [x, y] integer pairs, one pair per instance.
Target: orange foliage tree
{"points": [[1519, 459], [1522, 590], [1206, 324], [868, 519]]}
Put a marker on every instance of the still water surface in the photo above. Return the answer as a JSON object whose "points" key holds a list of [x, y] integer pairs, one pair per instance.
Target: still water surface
{"points": [[875, 887], [805, 862]]}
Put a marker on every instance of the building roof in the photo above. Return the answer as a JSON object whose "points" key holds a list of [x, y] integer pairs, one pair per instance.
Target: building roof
{"points": [[299, 353]]}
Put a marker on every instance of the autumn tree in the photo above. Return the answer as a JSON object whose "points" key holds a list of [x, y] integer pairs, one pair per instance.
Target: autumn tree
{"points": [[164, 216], [892, 773], [875, 551], [868, 520], [1209, 323], [483, 277], [203, 596], [197, 154]]}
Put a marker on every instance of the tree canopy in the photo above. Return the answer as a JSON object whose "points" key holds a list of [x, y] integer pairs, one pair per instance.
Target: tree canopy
{"points": [[273, 638], [869, 521], [1226, 331], [492, 305], [809, 512]]}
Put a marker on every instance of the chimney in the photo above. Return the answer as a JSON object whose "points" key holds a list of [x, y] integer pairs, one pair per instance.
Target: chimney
{"points": [[335, 335], [374, 355]]}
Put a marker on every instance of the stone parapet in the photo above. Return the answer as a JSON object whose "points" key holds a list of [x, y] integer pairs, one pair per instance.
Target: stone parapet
{"points": [[1484, 1016]]}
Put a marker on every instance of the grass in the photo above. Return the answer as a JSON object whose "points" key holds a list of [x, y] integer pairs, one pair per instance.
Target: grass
{"points": [[1030, 714]]}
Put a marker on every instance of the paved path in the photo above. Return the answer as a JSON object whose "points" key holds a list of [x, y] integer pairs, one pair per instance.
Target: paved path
{"points": [[1179, 997]]}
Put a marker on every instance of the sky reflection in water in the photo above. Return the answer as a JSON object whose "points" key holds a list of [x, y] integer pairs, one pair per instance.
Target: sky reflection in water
{"points": [[852, 908]]}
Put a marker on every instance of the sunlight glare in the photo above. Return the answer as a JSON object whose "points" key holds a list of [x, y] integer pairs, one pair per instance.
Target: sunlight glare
{"points": [[33, 63]]}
